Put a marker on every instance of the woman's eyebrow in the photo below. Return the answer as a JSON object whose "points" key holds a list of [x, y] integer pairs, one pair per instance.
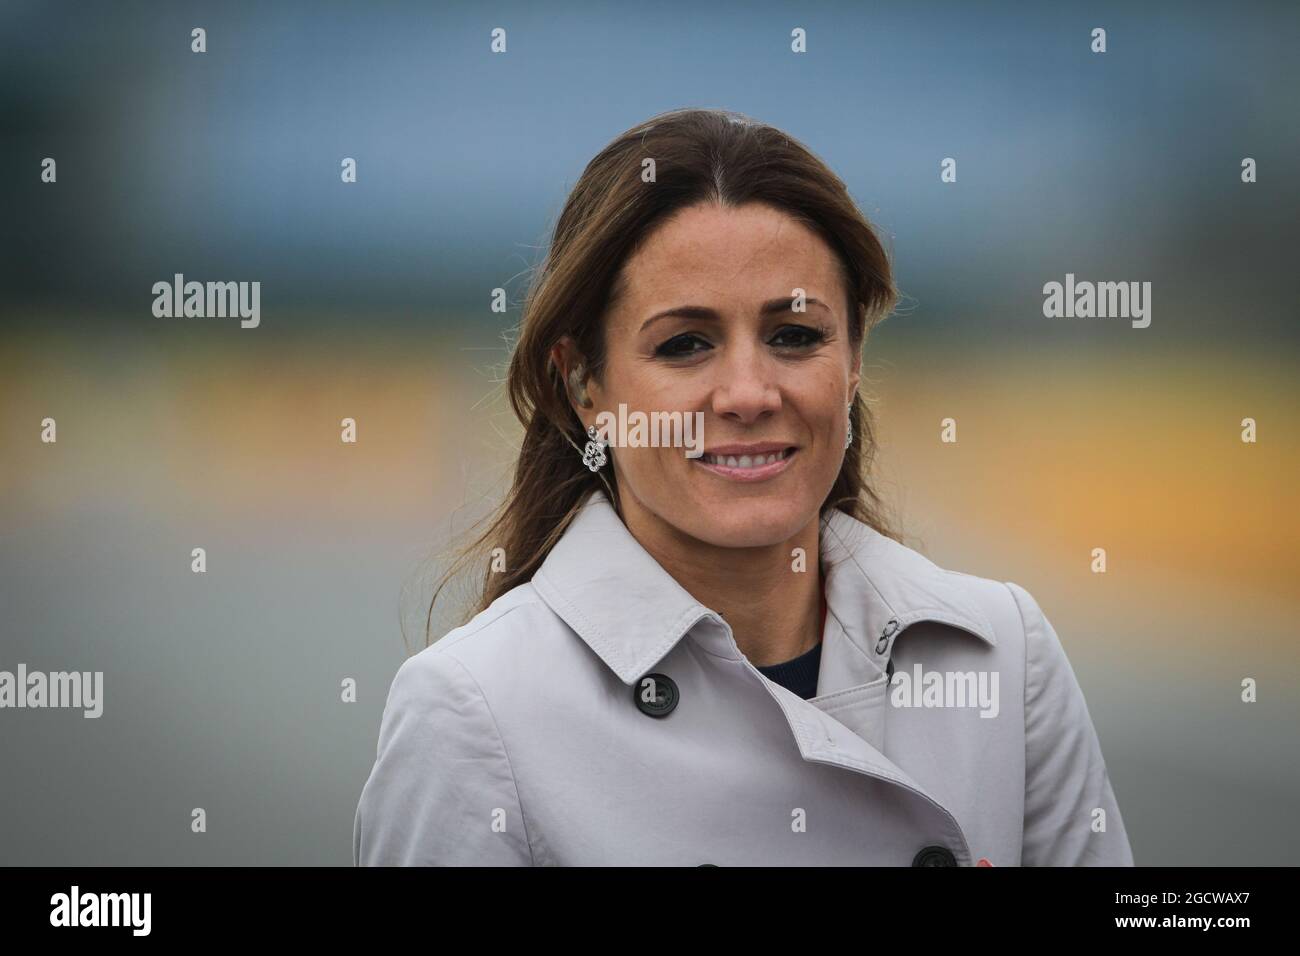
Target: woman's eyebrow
{"points": [[770, 307]]}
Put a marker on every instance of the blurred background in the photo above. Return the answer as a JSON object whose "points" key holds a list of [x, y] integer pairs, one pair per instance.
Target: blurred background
{"points": [[222, 690]]}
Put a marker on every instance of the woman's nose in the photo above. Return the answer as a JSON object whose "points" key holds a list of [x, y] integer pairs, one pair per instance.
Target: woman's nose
{"points": [[745, 387]]}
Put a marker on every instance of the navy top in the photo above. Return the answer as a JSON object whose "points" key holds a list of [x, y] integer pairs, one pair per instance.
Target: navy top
{"points": [[798, 674]]}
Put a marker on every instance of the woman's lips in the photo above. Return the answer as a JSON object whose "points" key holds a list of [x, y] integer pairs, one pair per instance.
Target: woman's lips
{"points": [[746, 467]]}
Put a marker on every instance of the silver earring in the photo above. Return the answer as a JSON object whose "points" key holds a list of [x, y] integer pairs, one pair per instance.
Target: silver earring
{"points": [[593, 456], [848, 437]]}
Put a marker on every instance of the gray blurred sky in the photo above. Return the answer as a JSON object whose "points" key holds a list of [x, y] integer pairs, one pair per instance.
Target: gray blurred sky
{"points": [[1121, 166]]}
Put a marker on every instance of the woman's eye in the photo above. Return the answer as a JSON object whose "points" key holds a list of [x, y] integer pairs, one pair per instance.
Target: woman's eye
{"points": [[680, 345], [798, 336]]}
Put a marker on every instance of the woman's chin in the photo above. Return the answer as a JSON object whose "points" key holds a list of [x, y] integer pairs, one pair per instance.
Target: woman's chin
{"points": [[746, 523]]}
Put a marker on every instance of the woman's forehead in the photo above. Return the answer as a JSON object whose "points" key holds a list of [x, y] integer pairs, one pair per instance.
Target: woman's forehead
{"points": [[737, 258]]}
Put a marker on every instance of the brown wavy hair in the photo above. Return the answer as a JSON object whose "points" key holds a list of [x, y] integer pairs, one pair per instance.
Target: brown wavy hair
{"points": [[700, 155]]}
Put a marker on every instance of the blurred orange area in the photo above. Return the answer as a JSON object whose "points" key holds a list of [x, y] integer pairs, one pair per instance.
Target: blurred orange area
{"points": [[1141, 456], [1055, 454]]}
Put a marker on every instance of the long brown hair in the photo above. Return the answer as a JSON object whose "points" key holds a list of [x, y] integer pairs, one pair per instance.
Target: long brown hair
{"points": [[699, 155]]}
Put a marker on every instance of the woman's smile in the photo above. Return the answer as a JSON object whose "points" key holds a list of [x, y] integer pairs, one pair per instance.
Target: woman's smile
{"points": [[758, 462]]}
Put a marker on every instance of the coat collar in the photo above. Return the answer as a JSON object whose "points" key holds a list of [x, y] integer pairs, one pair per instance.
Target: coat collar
{"points": [[631, 612]]}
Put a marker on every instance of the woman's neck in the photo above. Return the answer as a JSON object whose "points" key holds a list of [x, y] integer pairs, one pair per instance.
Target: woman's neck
{"points": [[774, 610]]}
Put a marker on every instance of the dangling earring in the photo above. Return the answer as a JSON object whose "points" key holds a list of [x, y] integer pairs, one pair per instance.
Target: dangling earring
{"points": [[593, 456], [848, 436]]}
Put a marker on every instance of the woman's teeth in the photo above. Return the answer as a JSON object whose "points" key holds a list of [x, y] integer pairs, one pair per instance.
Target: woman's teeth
{"points": [[744, 461]]}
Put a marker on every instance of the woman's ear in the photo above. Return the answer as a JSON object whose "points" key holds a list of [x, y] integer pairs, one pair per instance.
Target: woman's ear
{"points": [[855, 377], [569, 362]]}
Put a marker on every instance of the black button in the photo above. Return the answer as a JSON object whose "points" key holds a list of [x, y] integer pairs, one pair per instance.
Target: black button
{"points": [[935, 856], [665, 695]]}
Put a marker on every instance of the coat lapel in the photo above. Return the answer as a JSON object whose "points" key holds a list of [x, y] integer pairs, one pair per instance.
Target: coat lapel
{"points": [[875, 589], [618, 598]]}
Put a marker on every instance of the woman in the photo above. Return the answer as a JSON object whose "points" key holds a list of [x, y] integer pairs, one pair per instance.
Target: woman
{"points": [[723, 658]]}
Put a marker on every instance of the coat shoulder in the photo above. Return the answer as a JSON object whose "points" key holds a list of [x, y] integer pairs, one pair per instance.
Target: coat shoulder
{"points": [[515, 631], [996, 603], [992, 604]]}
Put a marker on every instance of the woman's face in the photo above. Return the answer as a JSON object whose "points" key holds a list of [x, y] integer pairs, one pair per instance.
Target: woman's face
{"points": [[706, 324]]}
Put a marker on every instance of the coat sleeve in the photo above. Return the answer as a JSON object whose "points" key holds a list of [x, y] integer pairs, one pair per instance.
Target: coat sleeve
{"points": [[1065, 776], [441, 792]]}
